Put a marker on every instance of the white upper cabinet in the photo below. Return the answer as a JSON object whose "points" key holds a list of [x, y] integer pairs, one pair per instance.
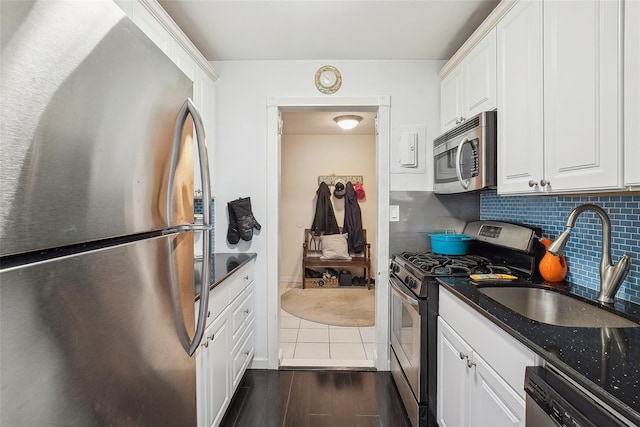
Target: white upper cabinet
{"points": [[470, 88], [582, 58], [559, 97], [519, 98], [632, 95], [451, 99]]}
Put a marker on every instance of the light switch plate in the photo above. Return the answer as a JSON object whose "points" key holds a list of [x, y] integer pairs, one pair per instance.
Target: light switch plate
{"points": [[394, 213]]}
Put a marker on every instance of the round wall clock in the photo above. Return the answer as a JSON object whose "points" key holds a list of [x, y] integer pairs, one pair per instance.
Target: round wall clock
{"points": [[328, 79]]}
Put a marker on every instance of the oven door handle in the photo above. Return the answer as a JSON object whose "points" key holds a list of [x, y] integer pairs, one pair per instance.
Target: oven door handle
{"points": [[463, 182], [402, 294]]}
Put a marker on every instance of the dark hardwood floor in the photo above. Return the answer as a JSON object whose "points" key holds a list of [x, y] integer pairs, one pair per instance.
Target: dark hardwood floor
{"points": [[301, 398]]}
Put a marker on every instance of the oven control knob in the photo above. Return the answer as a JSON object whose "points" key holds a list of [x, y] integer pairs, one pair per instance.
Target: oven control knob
{"points": [[395, 268], [411, 282]]}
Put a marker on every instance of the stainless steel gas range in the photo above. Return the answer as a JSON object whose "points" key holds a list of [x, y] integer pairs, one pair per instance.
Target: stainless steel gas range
{"points": [[498, 247]]}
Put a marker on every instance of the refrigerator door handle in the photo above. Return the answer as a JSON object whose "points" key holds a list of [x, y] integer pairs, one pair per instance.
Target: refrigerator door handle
{"points": [[188, 108], [187, 227]]}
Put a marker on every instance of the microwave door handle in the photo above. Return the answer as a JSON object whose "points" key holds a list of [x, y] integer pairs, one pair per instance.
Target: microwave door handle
{"points": [[463, 182]]}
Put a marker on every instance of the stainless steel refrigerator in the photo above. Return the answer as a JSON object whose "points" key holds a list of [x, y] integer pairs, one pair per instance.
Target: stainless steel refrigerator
{"points": [[97, 321]]}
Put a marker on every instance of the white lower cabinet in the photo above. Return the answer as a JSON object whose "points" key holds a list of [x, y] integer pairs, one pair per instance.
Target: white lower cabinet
{"points": [[480, 370], [227, 346], [213, 363]]}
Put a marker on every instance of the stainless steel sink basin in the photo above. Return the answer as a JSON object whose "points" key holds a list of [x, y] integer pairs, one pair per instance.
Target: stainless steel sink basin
{"points": [[555, 308]]}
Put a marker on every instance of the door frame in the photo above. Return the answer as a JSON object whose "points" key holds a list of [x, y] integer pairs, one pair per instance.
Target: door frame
{"points": [[276, 105]]}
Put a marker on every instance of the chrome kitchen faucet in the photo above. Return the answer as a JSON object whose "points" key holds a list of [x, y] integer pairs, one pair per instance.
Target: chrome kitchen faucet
{"points": [[611, 276]]}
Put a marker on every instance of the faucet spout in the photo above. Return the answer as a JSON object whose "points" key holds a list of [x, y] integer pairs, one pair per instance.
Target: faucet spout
{"points": [[611, 276]]}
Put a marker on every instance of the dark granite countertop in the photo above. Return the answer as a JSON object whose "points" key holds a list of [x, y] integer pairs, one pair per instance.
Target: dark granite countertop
{"points": [[222, 266], [605, 361]]}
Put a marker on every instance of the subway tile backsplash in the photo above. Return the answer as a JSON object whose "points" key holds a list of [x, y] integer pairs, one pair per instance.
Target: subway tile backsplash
{"points": [[198, 210], [584, 248]]}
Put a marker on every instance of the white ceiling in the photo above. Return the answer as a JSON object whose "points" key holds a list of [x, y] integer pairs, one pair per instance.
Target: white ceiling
{"points": [[226, 30]]}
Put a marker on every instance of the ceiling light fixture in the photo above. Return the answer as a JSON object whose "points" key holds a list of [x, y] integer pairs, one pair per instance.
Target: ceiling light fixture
{"points": [[347, 122]]}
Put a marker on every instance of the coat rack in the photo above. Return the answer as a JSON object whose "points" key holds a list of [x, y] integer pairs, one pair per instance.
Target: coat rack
{"points": [[331, 179]]}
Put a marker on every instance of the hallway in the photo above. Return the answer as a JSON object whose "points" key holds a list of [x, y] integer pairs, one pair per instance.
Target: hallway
{"points": [[304, 343]]}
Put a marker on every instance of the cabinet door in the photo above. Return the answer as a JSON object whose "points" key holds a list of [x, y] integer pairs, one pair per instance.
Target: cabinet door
{"points": [[216, 351], [519, 92], [451, 99], [479, 77], [492, 401], [582, 134], [632, 94], [453, 377]]}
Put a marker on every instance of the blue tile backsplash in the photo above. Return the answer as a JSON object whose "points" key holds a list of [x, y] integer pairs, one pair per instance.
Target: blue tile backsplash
{"points": [[584, 248], [198, 210]]}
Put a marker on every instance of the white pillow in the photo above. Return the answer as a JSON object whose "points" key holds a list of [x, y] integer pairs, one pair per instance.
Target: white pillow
{"points": [[334, 246]]}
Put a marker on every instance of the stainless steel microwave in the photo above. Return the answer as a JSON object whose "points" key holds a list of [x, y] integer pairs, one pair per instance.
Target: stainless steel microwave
{"points": [[464, 158]]}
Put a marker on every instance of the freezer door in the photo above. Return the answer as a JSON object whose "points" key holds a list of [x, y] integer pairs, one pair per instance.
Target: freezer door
{"points": [[89, 111], [93, 339]]}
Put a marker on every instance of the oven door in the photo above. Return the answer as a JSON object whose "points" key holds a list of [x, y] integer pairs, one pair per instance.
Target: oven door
{"points": [[406, 333]]}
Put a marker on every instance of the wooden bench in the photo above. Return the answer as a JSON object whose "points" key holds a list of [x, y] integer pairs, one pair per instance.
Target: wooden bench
{"points": [[312, 250]]}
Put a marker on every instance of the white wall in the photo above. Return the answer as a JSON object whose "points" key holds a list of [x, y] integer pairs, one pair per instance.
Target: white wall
{"points": [[303, 159], [238, 150]]}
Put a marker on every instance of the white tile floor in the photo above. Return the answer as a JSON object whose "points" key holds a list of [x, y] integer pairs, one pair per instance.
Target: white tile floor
{"points": [[311, 344]]}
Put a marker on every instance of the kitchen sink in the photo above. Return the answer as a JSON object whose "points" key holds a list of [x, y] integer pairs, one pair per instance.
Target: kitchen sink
{"points": [[555, 308]]}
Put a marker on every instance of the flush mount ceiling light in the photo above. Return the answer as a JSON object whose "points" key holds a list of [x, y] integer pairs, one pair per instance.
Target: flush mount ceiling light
{"points": [[347, 122]]}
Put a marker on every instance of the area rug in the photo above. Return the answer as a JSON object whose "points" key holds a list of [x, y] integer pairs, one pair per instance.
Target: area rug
{"points": [[338, 307]]}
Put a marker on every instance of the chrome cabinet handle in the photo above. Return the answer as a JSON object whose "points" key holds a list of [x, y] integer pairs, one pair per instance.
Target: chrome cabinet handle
{"points": [[544, 182], [457, 121], [246, 353], [247, 311], [206, 344], [462, 356], [532, 183], [470, 363]]}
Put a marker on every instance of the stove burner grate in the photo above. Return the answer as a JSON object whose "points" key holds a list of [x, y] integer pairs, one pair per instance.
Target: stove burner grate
{"points": [[431, 264]]}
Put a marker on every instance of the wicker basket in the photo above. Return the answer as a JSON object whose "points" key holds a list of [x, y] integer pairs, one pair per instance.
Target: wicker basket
{"points": [[320, 283]]}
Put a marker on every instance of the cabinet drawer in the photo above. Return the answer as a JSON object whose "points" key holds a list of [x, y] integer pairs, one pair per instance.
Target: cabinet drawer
{"points": [[500, 350], [242, 312], [241, 356], [218, 301], [240, 280]]}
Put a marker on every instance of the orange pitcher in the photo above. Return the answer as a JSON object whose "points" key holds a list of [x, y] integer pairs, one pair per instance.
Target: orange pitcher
{"points": [[552, 267]]}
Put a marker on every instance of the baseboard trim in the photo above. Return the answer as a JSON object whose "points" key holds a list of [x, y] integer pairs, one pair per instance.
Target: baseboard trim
{"points": [[259, 363]]}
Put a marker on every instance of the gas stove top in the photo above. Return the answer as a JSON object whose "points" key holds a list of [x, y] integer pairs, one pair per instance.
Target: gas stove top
{"points": [[429, 264], [498, 248]]}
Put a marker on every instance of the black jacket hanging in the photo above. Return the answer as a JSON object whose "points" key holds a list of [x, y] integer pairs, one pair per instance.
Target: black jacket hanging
{"points": [[353, 221], [324, 221]]}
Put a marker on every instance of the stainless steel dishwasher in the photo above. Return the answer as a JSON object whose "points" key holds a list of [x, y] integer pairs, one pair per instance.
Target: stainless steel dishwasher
{"points": [[553, 401]]}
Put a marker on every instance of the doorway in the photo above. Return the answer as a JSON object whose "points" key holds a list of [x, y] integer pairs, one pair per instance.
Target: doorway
{"points": [[332, 325], [377, 107]]}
